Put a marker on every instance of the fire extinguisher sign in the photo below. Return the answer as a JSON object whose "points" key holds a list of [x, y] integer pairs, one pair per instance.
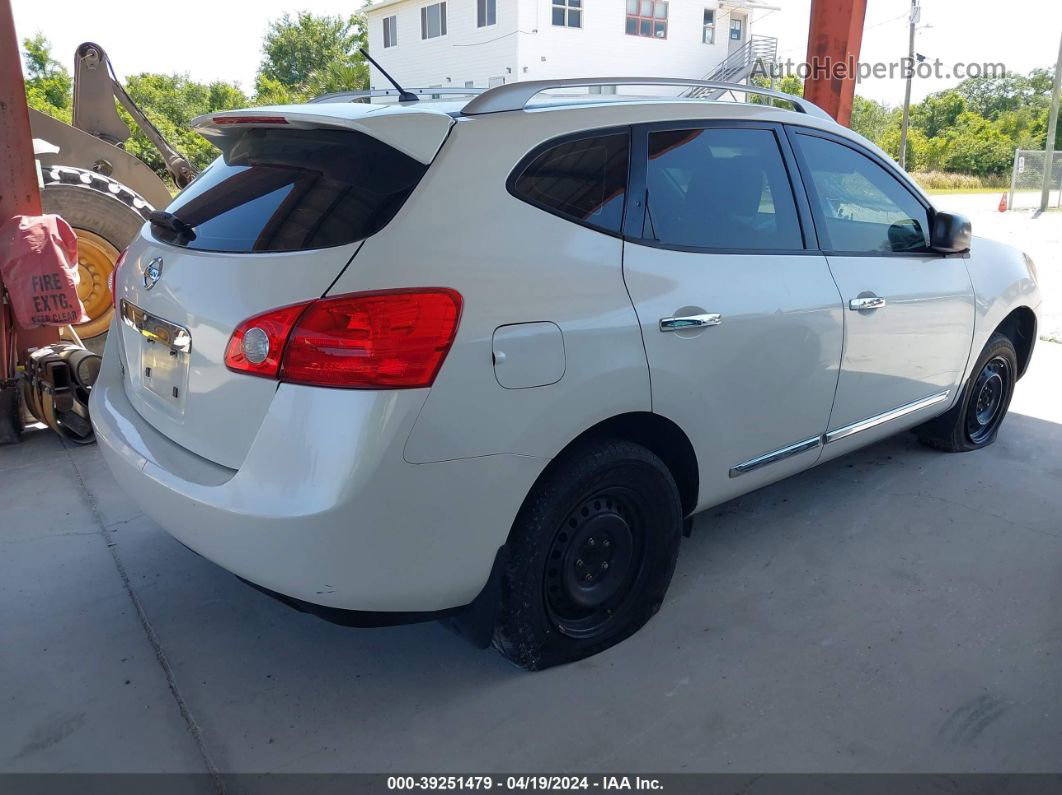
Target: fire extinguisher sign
{"points": [[51, 306]]}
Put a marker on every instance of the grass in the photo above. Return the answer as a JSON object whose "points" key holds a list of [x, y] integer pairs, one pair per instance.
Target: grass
{"points": [[954, 191], [934, 181]]}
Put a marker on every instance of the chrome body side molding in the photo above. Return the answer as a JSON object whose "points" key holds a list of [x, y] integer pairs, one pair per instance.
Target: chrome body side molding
{"points": [[888, 416], [840, 433], [777, 455]]}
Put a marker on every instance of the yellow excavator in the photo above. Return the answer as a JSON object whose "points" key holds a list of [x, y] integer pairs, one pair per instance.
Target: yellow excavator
{"points": [[89, 179]]}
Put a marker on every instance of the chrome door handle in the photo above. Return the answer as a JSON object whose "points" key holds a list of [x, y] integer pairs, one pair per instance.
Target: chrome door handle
{"points": [[870, 302], [689, 322]]}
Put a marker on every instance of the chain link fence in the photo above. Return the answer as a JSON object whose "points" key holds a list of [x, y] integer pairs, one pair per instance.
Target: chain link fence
{"points": [[1027, 180]]}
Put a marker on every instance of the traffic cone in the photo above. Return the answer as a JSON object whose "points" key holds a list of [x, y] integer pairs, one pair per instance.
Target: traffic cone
{"points": [[1003, 203]]}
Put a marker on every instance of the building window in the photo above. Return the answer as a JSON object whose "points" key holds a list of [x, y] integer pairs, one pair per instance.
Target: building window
{"points": [[647, 18], [469, 84], [433, 21], [494, 82], [390, 30], [602, 89], [568, 13], [486, 13], [708, 36], [736, 28]]}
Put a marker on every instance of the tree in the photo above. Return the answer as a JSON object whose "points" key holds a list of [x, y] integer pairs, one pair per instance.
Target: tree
{"points": [[308, 55], [976, 146], [870, 119], [171, 102], [992, 96], [790, 84], [938, 112], [917, 144], [48, 84]]}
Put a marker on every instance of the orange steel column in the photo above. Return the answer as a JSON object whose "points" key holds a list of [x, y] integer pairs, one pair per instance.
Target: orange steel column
{"points": [[834, 39], [19, 191]]}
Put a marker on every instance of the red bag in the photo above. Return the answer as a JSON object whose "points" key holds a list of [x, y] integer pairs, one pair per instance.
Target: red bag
{"points": [[38, 266]]}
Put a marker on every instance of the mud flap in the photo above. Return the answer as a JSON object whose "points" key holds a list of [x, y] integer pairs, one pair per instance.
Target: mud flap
{"points": [[475, 622]]}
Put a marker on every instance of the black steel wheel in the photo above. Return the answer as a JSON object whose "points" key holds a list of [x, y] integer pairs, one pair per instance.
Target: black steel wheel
{"points": [[591, 554], [594, 562], [973, 422], [988, 400]]}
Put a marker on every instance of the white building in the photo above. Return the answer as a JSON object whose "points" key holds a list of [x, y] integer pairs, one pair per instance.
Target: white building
{"points": [[483, 43]]}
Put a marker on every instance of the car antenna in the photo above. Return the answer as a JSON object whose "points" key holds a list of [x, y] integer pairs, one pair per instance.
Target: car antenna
{"points": [[403, 95]]}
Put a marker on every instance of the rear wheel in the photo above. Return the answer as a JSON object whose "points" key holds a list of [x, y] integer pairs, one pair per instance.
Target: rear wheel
{"points": [[105, 215], [591, 555], [974, 421]]}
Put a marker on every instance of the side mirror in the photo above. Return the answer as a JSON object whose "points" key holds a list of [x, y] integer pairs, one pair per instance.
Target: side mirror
{"points": [[951, 233]]}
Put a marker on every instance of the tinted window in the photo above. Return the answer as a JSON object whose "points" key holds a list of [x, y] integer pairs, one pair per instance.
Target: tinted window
{"points": [[289, 190], [865, 208], [585, 180], [717, 188]]}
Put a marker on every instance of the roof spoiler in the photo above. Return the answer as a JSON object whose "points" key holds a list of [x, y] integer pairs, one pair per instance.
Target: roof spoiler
{"points": [[417, 132]]}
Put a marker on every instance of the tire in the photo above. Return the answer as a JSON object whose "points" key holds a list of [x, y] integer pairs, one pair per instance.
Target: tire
{"points": [[591, 555], [106, 216], [973, 422]]}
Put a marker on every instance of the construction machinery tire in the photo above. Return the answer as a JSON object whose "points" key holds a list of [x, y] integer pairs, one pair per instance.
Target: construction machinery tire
{"points": [[106, 216]]}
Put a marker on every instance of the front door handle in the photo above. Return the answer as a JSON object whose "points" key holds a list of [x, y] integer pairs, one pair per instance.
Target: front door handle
{"points": [[689, 322], [868, 302]]}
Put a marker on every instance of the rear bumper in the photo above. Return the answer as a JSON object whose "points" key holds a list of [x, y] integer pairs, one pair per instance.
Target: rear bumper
{"points": [[324, 509]]}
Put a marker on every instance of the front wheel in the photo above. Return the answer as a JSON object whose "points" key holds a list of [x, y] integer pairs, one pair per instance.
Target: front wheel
{"points": [[974, 421], [591, 555]]}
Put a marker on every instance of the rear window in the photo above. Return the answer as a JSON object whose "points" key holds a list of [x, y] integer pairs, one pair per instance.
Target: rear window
{"points": [[292, 190]]}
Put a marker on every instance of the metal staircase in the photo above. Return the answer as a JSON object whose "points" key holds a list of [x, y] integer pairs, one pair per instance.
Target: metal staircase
{"points": [[739, 66]]}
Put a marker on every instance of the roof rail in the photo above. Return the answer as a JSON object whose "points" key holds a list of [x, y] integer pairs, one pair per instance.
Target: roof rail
{"points": [[351, 96], [515, 96]]}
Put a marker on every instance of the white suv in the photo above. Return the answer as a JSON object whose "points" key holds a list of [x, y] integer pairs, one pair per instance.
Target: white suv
{"points": [[483, 362]]}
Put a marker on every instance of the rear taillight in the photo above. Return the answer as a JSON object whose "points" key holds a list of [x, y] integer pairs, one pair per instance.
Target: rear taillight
{"points": [[257, 344], [392, 339], [112, 278]]}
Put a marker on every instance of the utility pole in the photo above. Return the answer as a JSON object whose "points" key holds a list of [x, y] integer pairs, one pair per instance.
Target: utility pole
{"points": [[916, 15], [1052, 127]]}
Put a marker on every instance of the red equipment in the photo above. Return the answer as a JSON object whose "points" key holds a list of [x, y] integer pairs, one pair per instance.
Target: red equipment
{"points": [[834, 40]]}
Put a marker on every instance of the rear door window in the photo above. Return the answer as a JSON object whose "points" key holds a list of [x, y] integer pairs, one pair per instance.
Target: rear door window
{"points": [[583, 180], [293, 190], [718, 188]]}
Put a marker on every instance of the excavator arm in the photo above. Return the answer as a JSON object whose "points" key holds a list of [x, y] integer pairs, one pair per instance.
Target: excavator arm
{"points": [[95, 89]]}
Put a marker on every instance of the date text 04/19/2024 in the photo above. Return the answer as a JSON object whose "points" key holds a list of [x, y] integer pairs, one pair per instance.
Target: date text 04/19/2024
{"points": [[517, 783]]}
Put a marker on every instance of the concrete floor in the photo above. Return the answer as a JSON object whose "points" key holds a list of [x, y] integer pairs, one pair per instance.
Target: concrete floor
{"points": [[897, 610]]}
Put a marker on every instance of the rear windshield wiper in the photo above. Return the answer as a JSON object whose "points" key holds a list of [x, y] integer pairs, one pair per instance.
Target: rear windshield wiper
{"points": [[172, 223]]}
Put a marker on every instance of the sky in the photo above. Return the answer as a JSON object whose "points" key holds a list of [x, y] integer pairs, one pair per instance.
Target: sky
{"points": [[221, 39]]}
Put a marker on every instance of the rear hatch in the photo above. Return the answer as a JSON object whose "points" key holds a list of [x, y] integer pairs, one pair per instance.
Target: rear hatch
{"points": [[271, 222]]}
